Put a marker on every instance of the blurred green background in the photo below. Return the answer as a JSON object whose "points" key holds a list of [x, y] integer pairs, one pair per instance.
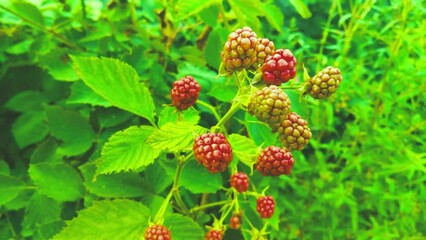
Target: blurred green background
{"points": [[363, 174]]}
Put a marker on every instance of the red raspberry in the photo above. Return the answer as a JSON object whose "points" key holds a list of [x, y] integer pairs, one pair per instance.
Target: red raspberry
{"points": [[214, 234], [240, 182], [185, 92], [279, 67], [157, 232], [274, 161], [213, 151], [265, 206], [235, 221]]}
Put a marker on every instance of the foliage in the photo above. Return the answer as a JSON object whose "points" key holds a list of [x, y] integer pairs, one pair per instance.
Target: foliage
{"points": [[91, 146]]}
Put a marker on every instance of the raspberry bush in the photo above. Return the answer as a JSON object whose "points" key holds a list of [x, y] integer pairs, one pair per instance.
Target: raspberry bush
{"points": [[191, 120]]}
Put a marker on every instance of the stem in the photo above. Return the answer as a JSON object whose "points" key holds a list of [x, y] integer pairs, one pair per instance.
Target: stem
{"points": [[222, 11], [208, 205], [9, 223], [175, 188], [159, 217], [211, 108], [234, 107], [222, 218]]}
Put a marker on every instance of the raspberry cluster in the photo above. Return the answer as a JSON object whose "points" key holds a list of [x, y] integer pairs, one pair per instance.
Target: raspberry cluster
{"points": [[156, 232], [213, 151]]}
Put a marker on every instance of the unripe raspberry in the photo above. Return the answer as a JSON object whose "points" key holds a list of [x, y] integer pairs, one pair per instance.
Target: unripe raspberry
{"points": [[240, 182], [274, 161], [213, 151], [235, 221], [265, 48], [157, 232], [265, 206], [279, 67], [324, 83], [269, 104], [293, 132], [214, 234], [185, 92], [240, 51]]}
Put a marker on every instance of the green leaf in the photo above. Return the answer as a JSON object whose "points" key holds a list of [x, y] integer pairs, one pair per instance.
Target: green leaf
{"points": [[212, 49], [188, 8], [58, 181], [74, 130], [10, 187], [26, 101], [259, 132], [47, 231], [247, 12], [301, 8], [46, 152], [197, 179], [126, 150], [28, 12], [223, 92], [274, 16], [4, 168], [114, 185], [21, 47], [118, 219], [41, 210], [183, 228], [82, 94], [109, 117], [244, 149], [158, 184], [58, 64], [175, 137], [170, 115], [29, 128], [117, 82]]}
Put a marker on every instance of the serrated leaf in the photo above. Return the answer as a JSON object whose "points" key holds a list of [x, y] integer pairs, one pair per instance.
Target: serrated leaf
{"points": [[58, 65], [183, 228], [259, 132], [117, 82], [58, 181], [197, 179], [29, 128], [175, 137], [244, 149], [70, 127], [82, 94], [301, 8], [10, 187], [188, 8], [26, 101], [170, 115], [114, 185], [118, 219], [126, 150]]}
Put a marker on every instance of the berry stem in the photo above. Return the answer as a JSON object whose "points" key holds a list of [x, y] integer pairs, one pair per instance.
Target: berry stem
{"points": [[224, 215], [234, 107], [211, 108], [159, 217], [175, 188], [208, 205]]}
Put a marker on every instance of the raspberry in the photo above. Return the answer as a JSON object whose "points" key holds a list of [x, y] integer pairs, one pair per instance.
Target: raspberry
{"points": [[214, 234], [274, 161], [157, 232], [213, 151], [185, 92], [269, 104], [265, 206], [265, 48], [293, 132], [239, 181], [324, 83], [240, 51], [279, 67], [235, 221]]}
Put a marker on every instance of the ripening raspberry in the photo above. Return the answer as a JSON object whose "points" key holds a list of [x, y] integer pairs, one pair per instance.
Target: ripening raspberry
{"points": [[185, 92], [265, 206], [157, 232], [240, 182], [274, 161], [213, 151]]}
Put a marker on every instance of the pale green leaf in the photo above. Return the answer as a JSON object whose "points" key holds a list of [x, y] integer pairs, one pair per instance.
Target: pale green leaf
{"points": [[126, 150], [26, 101], [247, 12], [10, 187], [112, 220], [274, 16], [175, 137], [82, 94], [183, 228], [21, 47], [27, 11], [259, 131], [70, 127], [58, 181], [117, 82], [188, 8], [244, 149], [29, 128], [171, 115], [301, 8], [213, 48], [198, 179]]}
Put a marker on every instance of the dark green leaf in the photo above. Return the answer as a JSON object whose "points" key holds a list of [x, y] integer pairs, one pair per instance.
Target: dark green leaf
{"points": [[10, 187], [29, 128], [26, 101], [197, 179]]}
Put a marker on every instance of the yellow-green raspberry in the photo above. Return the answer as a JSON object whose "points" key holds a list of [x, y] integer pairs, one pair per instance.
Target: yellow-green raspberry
{"points": [[240, 50], [269, 104], [324, 83], [293, 132], [265, 48]]}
